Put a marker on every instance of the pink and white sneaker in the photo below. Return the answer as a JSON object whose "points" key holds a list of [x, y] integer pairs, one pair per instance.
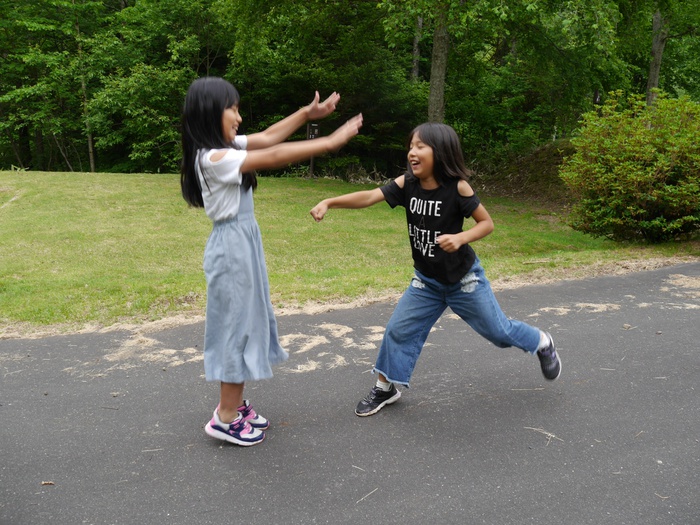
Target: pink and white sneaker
{"points": [[254, 419], [238, 431]]}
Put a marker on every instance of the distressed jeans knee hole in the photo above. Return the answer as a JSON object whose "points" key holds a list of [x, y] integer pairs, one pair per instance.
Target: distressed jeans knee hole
{"points": [[417, 283], [469, 282]]}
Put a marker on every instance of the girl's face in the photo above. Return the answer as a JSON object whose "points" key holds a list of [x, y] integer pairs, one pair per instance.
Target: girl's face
{"points": [[230, 120], [420, 158]]}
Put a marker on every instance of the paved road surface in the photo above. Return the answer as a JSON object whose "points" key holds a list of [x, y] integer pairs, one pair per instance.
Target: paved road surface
{"points": [[107, 428]]}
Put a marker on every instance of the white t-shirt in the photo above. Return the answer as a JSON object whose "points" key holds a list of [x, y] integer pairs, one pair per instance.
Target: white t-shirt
{"points": [[221, 180]]}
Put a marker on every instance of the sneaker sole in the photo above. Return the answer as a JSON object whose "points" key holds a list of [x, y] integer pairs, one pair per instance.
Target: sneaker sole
{"points": [[389, 401], [227, 437]]}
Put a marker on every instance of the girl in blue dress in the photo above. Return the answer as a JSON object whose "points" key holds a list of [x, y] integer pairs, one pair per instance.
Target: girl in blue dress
{"points": [[217, 174]]}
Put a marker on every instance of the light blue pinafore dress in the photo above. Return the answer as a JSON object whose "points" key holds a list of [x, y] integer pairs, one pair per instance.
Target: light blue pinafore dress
{"points": [[241, 342]]}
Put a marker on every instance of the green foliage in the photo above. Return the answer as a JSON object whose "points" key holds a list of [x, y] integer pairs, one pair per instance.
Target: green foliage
{"points": [[42, 75], [531, 71], [636, 170], [311, 45], [683, 76], [148, 56], [135, 114], [102, 81]]}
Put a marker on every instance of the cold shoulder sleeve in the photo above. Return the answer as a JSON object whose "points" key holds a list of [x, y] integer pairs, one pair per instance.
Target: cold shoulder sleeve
{"points": [[226, 170], [221, 179], [468, 204], [393, 194]]}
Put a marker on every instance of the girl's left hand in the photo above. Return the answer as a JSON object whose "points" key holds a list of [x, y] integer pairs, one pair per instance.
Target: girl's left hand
{"points": [[448, 243], [321, 110]]}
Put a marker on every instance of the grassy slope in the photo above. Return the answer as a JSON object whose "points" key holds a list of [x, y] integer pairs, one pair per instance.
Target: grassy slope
{"points": [[81, 248]]}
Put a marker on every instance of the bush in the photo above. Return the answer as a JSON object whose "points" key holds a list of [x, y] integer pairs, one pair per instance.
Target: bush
{"points": [[636, 170]]}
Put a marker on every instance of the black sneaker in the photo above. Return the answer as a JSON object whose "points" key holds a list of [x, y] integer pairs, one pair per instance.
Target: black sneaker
{"points": [[549, 361], [376, 399]]}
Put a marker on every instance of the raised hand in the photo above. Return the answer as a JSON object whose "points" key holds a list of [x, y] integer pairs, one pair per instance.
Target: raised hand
{"points": [[344, 133], [323, 109]]}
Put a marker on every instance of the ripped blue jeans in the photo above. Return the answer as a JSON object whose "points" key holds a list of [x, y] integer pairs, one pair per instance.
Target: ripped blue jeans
{"points": [[421, 306]]}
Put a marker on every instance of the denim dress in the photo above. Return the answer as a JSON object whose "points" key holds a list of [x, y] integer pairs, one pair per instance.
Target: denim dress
{"points": [[241, 341]]}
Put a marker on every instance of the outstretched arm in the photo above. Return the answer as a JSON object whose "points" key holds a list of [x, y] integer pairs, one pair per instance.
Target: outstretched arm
{"points": [[280, 131], [358, 199], [281, 155]]}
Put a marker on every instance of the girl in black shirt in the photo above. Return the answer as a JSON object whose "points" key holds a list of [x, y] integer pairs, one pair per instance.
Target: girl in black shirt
{"points": [[437, 199]]}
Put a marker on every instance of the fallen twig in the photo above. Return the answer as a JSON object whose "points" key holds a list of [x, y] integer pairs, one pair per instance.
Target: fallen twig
{"points": [[549, 435], [366, 495]]}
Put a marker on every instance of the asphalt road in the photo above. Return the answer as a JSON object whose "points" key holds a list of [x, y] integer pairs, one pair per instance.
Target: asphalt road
{"points": [[107, 428]]}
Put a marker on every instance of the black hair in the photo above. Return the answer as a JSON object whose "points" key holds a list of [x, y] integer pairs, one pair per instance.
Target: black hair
{"points": [[205, 102], [448, 159]]}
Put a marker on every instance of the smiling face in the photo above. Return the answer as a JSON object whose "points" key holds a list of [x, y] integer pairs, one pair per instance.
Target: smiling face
{"points": [[421, 160], [230, 120]]}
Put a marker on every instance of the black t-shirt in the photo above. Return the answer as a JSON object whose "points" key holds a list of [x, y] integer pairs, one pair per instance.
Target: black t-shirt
{"points": [[429, 214]]}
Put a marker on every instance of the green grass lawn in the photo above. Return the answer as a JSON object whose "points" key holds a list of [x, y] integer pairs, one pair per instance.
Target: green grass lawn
{"points": [[80, 248]]}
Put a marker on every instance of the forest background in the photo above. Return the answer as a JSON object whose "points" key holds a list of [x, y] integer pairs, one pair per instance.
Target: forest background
{"points": [[97, 86]]}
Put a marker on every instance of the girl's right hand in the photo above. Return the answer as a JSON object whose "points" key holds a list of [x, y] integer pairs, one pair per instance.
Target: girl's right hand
{"points": [[344, 133], [319, 211]]}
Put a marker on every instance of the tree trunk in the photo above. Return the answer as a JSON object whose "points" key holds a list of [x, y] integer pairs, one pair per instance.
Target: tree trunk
{"points": [[660, 36], [83, 89], [88, 131], [438, 69], [63, 153], [39, 155], [416, 48], [25, 147]]}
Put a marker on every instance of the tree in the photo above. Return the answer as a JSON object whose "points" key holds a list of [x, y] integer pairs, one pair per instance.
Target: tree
{"points": [[98, 84], [659, 28], [309, 45], [46, 83], [684, 19], [656, 33], [510, 75], [147, 58], [438, 68], [636, 170], [445, 20]]}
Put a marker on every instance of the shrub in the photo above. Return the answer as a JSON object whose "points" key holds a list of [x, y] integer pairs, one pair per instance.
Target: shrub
{"points": [[635, 173]]}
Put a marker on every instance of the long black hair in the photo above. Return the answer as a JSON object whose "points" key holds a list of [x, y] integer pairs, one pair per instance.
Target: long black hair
{"points": [[448, 159], [205, 102]]}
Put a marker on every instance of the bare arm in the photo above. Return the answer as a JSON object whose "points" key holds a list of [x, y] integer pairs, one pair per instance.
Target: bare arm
{"points": [[484, 225], [280, 131], [281, 155], [356, 200]]}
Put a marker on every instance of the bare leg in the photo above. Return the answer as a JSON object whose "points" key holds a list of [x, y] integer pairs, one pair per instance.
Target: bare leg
{"points": [[231, 399]]}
